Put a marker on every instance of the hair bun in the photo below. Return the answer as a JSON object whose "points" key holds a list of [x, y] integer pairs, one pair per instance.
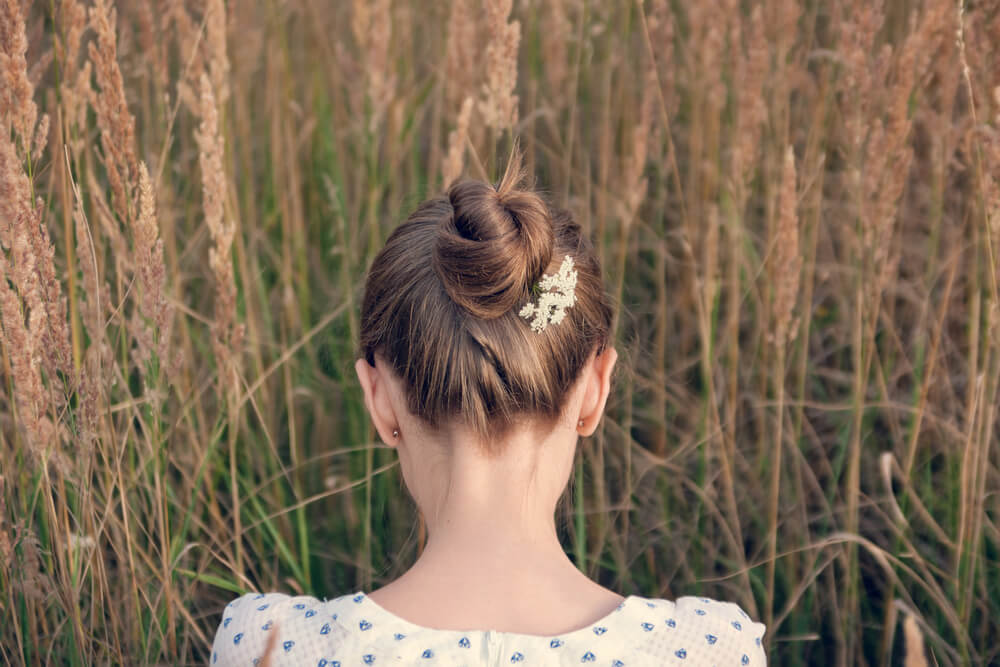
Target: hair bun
{"points": [[495, 245]]}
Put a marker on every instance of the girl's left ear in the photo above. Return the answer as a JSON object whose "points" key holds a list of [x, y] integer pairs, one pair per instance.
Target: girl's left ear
{"points": [[598, 379], [378, 401]]}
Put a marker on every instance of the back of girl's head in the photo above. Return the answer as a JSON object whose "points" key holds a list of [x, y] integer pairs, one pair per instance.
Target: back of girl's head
{"points": [[442, 303]]}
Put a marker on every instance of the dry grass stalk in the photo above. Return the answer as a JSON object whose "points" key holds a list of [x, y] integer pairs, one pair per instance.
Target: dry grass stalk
{"points": [[73, 21], [989, 176], [885, 162], [91, 377], [76, 100], [863, 71], [21, 347], [381, 79], [34, 272], [634, 182], [23, 314], [708, 32], [889, 150], [186, 31], [33, 308], [455, 160], [22, 230], [18, 214], [361, 20], [30, 581], [710, 254], [156, 311], [150, 46], [55, 336], [783, 23], [751, 69], [17, 105], [89, 399], [116, 123], [913, 639], [215, 43], [499, 103], [40, 67], [660, 21], [90, 293], [993, 211], [189, 39], [993, 175], [787, 256], [247, 52], [6, 543], [461, 67], [899, 153], [555, 45], [787, 263], [15, 189], [227, 333], [110, 228], [372, 27], [76, 79], [41, 136]]}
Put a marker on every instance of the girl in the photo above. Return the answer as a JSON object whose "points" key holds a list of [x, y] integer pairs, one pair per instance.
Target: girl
{"points": [[485, 356]]}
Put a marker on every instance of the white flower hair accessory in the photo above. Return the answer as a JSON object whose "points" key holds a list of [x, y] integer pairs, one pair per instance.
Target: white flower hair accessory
{"points": [[558, 294]]}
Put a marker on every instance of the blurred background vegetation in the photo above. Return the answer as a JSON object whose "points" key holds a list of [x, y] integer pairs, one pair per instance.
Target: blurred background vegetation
{"points": [[797, 204]]}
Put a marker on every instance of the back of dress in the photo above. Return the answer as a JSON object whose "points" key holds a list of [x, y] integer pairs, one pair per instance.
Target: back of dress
{"points": [[354, 630]]}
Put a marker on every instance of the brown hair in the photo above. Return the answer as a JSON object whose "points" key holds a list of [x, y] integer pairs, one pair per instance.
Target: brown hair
{"points": [[442, 303]]}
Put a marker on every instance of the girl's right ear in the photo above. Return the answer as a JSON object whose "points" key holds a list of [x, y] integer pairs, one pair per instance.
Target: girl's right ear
{"points": [[378, 401]]}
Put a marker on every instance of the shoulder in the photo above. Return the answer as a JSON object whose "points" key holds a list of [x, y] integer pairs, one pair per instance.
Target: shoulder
{"points": [[700, 628], [290, 629]]}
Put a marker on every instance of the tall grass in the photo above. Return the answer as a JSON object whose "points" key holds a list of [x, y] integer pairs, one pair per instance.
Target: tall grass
{"points": [[797, 204]]}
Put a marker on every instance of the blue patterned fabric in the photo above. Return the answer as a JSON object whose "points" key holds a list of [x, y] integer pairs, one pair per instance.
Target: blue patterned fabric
{"points": [[354, 630]]}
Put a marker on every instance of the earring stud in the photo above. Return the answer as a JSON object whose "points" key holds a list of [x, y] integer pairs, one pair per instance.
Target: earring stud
{"points": [[580, 423], [395, 433]]}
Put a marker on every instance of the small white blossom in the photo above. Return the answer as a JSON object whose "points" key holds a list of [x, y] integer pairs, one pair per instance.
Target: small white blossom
{"points": [[558, 294]]}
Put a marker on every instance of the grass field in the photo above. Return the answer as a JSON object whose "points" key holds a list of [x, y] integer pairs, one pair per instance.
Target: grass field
{"points": [[797, 204]]}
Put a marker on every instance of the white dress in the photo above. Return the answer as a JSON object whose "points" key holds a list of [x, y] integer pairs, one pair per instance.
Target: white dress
{"points": [[354, 630]]}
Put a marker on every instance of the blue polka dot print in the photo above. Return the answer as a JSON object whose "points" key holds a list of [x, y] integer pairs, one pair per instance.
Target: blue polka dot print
{"points": [[354, 630]]}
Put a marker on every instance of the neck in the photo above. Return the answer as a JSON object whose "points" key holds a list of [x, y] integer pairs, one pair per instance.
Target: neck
{"points": [[491, 522]]}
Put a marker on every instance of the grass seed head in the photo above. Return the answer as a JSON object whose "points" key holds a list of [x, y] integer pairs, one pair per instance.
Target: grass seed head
{"points": [[17, 105], [787, 254], [462, 66], [499, 103], [455, 160], [110, 105]]}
